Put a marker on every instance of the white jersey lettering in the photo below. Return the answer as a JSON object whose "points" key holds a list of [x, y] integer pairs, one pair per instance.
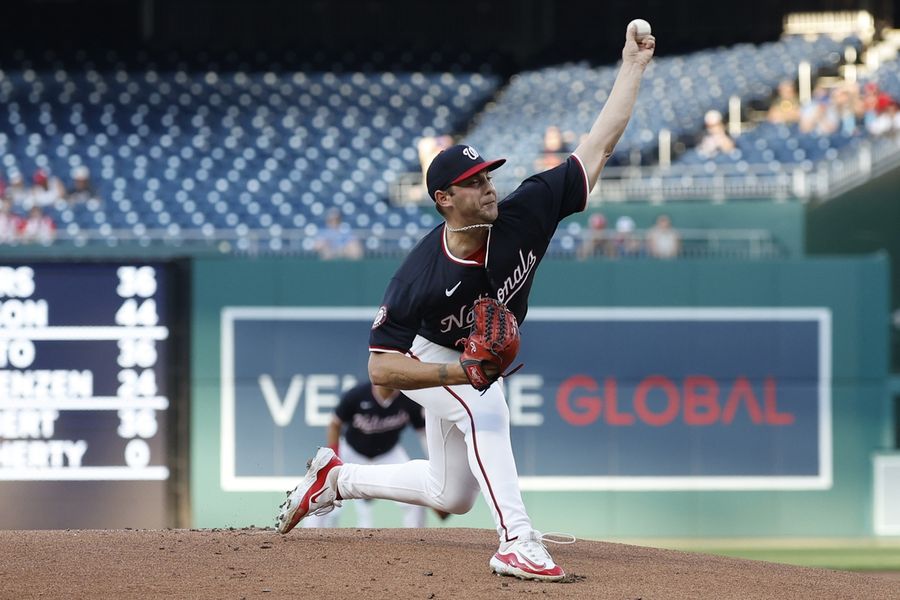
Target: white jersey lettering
{"points": [[513, 283]]}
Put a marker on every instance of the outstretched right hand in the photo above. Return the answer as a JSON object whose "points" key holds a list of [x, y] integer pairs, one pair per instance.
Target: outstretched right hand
{"points": [[637, 53]]}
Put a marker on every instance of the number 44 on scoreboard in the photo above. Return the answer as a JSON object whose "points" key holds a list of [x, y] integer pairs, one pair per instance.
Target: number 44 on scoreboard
{"points": [[134, 314]]}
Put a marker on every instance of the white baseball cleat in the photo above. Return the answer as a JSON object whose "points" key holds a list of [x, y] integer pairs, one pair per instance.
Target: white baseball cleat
{"points": [[316, 494], [526, 558]]}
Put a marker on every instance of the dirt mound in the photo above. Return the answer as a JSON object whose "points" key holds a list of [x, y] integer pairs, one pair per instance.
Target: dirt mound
{"points": [[380, 563]]}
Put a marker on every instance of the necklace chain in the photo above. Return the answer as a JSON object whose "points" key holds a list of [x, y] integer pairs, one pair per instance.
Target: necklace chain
{"points": [[467, 227]]}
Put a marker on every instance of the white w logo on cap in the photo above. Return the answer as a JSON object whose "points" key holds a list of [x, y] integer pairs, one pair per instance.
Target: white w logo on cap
{"points": [[469, 151]]}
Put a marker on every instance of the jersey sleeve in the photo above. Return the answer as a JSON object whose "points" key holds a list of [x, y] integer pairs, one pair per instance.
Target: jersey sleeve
{"points": [[554, 194], [397, 321]]}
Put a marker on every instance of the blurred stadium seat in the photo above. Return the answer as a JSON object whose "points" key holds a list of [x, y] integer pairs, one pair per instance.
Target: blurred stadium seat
{"points": [[247, 148], [175, 149]]}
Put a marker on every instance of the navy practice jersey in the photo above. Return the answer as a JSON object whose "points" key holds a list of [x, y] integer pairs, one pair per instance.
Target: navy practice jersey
{"points": [[432, 293], [374, 428]]}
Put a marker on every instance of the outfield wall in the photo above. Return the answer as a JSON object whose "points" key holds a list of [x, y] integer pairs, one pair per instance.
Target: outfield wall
{"points": [[688, 398]]}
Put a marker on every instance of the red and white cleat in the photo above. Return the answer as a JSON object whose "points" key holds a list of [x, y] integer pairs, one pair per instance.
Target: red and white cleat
{"points": [[526, 558], [316, 494]]}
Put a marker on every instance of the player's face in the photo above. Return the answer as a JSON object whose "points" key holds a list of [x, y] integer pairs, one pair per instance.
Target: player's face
{"points": [[475, 198]]}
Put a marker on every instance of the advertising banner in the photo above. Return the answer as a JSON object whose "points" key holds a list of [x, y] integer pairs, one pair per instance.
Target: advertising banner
{"points": [[609, 398]]}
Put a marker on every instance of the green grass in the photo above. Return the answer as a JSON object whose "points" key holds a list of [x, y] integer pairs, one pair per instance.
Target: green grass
{"points": [[849, 555], [862, 559]]}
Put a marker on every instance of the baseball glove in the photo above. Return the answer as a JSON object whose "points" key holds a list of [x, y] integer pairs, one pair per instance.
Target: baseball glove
{"points": [[492, 344]]}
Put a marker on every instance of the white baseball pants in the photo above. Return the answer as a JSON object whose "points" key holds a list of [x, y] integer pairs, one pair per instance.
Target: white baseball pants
{"points": [[413, 515], [469, 449]]}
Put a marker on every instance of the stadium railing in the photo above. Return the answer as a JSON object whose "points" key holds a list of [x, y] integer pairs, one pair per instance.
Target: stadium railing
{"points": [[717, 181], [750, 244]]}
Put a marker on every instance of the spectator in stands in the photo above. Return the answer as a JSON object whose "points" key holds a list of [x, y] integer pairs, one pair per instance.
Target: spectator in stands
{"points": [[785, 108], [846, 104], [46, 190], [9, 222], [625, 243], [555, 149], [2, 186], [428, 147], [716, 140], [17, 192], [663, 240], [887, 120], [336, 240], [876, 103], [816, 115], [37, 228], [81, 190], [595, 242]]}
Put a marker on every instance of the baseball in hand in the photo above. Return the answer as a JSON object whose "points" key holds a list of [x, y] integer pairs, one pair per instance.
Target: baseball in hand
{"points": [[642, 29]]}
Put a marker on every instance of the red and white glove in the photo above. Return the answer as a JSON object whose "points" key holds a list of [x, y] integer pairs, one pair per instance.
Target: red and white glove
{"points": [[492, 345]]}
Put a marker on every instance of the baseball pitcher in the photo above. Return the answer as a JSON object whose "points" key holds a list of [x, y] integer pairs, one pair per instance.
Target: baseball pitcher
{"points": [[447, 330]]}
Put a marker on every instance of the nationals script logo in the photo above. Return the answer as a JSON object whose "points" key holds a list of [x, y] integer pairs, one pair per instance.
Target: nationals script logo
{"points": [[464, 316], [513, 283], [375, 424]]}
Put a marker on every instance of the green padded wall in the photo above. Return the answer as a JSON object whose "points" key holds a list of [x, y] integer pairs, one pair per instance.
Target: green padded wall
{"points": [[855, 290]]}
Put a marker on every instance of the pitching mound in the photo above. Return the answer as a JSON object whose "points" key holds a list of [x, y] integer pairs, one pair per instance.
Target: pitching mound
{"points": [[381, 563]]}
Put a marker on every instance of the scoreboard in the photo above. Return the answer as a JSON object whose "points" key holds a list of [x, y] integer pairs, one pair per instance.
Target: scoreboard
{"points": [[84, 395]]}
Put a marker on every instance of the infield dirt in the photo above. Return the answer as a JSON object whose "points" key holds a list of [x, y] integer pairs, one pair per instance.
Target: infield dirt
{"points": [[373, 564]]}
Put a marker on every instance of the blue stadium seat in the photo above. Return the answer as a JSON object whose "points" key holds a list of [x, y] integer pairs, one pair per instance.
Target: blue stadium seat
{"points": [[244, 144]]}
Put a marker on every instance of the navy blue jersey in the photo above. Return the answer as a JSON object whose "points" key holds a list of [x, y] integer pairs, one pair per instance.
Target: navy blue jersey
{"points": [[432, 292], [374, 427]]}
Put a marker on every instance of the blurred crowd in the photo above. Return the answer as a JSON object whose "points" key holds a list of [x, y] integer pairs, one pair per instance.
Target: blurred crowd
{"points": [[661, 241], [22, 206], [845, 108], [848, 108]]}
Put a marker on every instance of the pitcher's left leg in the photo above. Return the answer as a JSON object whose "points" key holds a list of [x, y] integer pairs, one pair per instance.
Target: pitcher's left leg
{"points": [[491, 458]]}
